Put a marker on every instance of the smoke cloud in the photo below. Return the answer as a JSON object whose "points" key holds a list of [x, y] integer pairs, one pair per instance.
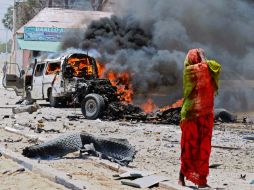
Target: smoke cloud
{"points": [[150, 38]]}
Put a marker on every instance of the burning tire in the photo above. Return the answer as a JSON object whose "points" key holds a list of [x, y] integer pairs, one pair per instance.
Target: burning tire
{"points": [[92, 106]]}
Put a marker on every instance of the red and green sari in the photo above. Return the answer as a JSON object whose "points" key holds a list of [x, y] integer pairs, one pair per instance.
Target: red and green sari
{"points": [[200, 84]]}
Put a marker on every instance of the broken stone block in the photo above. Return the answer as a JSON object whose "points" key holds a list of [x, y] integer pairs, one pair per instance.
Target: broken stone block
{"points": [[145, 182], [30, 109]]}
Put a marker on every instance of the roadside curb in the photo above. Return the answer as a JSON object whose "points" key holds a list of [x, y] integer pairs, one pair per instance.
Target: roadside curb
{"points": [[44, 170], [112, 166]]}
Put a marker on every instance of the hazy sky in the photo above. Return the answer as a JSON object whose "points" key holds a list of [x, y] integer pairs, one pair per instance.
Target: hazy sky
{"points": [[4, 4]]}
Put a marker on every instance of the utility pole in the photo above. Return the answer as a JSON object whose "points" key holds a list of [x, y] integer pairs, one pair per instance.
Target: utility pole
{"points": [[14, 32], [66, 4], [49, 3], [6, 45]]}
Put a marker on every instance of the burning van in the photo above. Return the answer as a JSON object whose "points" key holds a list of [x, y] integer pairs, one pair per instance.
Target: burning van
{"points": [[71, 79]]}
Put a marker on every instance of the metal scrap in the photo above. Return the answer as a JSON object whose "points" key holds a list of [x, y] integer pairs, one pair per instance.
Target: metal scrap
{"points": [[129, 112]]}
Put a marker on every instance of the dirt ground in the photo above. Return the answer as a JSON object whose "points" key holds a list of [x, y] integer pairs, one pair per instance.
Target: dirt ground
{"points": [[158, 146], [23, 180]]}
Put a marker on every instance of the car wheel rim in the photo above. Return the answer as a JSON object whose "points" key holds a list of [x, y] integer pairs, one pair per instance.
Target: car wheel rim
{"points": [[91, 107]]}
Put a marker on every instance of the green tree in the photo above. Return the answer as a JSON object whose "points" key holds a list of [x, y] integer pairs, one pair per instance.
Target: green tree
{"points": [[3, 47], [8, 18], [25, 10]]}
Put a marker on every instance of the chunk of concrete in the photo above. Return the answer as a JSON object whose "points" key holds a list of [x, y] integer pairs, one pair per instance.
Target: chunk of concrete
{"points": [[145, 182], [30, 109]]}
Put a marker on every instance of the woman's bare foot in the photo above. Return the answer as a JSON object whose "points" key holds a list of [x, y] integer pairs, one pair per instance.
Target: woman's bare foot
{"points": [[181, 179]]}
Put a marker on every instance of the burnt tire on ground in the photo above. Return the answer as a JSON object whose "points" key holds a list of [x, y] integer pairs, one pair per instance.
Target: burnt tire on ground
{"points": [[55, 148], [92, 106], [53, 101], [224, 115], [116, 150]]}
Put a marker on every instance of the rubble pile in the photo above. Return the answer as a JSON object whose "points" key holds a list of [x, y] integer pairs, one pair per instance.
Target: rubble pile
{"points": [[170, 116], [129, 112]]}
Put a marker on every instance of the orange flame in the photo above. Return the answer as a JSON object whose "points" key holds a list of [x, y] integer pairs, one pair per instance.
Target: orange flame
{"points": [[121, 80], [101, 69], [177, 104], [79, 64], [148, 106]]}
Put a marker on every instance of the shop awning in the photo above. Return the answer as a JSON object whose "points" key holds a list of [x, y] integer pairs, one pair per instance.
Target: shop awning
{"points": [[39, 45]]}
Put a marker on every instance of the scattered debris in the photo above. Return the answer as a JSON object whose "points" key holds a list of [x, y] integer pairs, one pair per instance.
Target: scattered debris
{"points": [[215, 165], [30, 109], [251, 138], [247, 120], [145, 182], [133, 174], [41, 129], [33, 140], [9, 140], [243, 177], [9, 172], [69, 175], [226, 147], [6, 171], [66, 126], [50, 118], [126, 124], [119, 110], [6, 116], [20, 101], [75, 117], [17, 126]]}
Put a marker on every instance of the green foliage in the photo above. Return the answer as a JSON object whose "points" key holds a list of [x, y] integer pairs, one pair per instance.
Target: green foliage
{"points": [[3, 47], [8, 18], [25, 11]]}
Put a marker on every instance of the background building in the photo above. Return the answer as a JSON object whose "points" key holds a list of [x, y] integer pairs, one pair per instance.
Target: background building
{"points": [[44, 32]]}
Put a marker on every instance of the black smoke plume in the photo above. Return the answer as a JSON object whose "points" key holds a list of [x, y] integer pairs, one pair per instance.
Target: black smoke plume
{"points": [[150, 38]]}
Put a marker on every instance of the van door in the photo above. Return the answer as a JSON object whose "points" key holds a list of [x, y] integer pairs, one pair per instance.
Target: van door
{"points": [[13, 77], [51, 72], [36, 92]]}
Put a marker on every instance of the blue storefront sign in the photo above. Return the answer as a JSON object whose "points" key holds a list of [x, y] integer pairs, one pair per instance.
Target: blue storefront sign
{"points": [[43, 34]]}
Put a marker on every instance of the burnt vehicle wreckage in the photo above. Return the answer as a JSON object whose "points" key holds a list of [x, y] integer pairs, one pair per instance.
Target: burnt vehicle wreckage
{"points": [[70, 79], [73, 79]]}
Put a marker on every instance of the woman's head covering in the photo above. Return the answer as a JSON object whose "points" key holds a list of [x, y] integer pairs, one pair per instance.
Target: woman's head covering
{"points": [[193, 57]]}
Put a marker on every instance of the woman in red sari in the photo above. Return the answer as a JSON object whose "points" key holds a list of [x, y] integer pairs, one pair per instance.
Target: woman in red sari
{"points": [[200, 83]]}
